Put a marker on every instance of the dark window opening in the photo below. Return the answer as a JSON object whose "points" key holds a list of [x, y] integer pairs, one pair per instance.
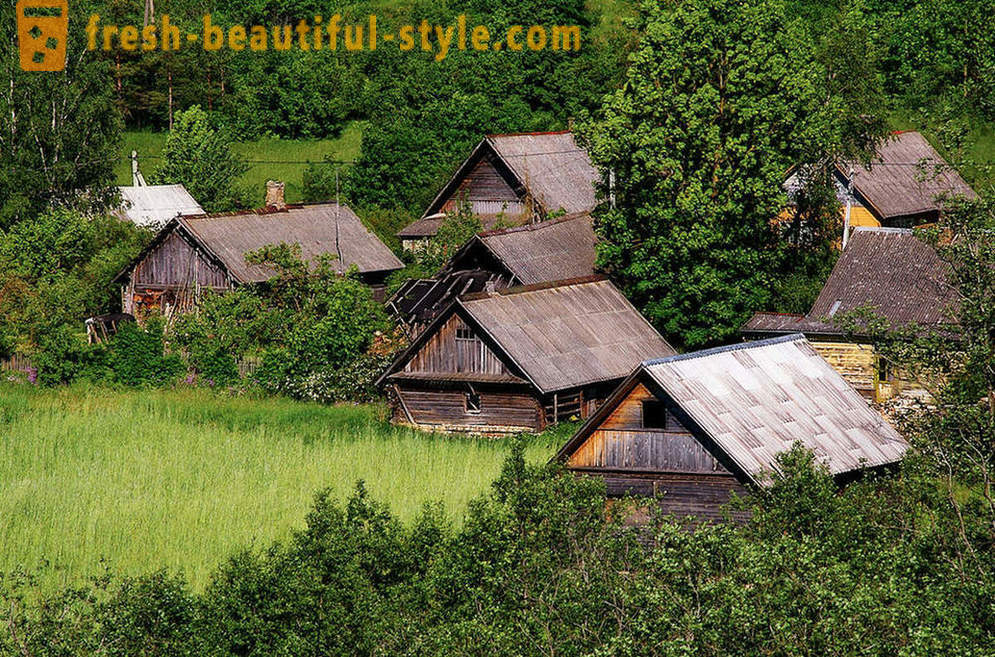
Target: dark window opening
{"points": [[655, 415], [472, 402], [464, 333], [884, 370]]}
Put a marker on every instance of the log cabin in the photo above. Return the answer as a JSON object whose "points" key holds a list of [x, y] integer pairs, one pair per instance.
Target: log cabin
{"points": [[694, 429], [207, 252], [516, 179], [520, 359], [552, 250], [890, 272], [904, 186]]}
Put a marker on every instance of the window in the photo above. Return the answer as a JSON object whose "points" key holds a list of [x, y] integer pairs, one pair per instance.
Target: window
{"points": [[884, 371], [464, 333], [655, 415], [472, 402]]}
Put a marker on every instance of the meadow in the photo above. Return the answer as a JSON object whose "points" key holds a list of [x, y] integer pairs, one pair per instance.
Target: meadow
{"points": [[269, 158], [135, 481]]}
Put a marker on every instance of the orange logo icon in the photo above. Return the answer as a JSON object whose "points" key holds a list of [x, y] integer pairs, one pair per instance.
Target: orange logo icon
{"points": [[42, 30]]}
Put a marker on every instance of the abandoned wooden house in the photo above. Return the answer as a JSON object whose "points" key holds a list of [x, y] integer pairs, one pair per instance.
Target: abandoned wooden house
{"points": [[151, 206], [698, 427], [520, 359], [207, 252], [888, 271], [513, 179], [905, 185], [553, 250]]}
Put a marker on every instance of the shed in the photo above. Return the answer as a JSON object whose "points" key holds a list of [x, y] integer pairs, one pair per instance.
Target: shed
{"points": [[557, 249], [191, 254], [152, 206], [698, 427], [517, 178], [520, 359], [889, 271]]}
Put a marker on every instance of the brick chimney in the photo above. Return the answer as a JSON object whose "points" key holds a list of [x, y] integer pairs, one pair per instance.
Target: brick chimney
{"points": [[275, 199]]}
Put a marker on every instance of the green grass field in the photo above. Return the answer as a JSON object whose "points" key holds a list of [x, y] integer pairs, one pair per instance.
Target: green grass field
{"points": [[268, 157], [142, 480]]}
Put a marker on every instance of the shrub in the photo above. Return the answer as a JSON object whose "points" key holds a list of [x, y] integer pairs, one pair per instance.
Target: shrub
{"points": [[137, 358]]}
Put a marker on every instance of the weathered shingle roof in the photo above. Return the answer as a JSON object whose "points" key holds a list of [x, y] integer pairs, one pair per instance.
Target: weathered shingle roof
{"points": [[906, 178], [154, 205], [889, 270], [755, 400], [552, 250], [553, 168], [569, 334], [230, 236]]}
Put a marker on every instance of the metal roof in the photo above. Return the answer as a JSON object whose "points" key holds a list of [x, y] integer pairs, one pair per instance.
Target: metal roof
{"points": [[552, 250], [320, 229], [755, 400], [155, 205], [906, 177], [567, 334]]}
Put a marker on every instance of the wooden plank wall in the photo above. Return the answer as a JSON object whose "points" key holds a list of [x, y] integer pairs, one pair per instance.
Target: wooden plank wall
{"points": [[486, 191], [621, 443], [443, 352], [176, 263], [701, 497], [856, 363], [446, 407]]}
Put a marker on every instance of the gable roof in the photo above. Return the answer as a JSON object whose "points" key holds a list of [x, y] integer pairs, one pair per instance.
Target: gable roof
{"points": [[753, 401], [890, 270], [552, 250], [906, 177], [548, 166], [228, 237], [154, 205], [560, 335]]}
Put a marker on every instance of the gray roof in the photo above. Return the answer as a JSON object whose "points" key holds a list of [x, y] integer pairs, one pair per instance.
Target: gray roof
{"points": [[230, 236], [567, 334], [755, 400], [906, 178], [552, 250], [155, 205], [553, 168], [889, 270]]}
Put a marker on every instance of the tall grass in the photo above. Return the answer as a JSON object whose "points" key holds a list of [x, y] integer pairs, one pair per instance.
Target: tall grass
{"points": [[143, 480]]}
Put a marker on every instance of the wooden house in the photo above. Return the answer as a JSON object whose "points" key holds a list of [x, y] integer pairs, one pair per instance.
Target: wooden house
{"points": [[889, 271], [553, 250], [904, 186], [695, 428], [192, 254], [517, 178], [520, 359], [151, 206]]}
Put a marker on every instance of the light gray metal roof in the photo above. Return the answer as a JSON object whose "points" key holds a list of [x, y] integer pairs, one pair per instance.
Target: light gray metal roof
{"points": [[568, 333], [154, 205], [552, 250], [755, 400]]}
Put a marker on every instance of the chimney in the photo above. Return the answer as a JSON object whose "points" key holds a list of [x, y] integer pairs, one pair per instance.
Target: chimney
{"points": [[274, 196]]}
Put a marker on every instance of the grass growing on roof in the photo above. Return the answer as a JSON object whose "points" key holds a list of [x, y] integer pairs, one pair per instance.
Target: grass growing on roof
{"points": [[181, 479]]}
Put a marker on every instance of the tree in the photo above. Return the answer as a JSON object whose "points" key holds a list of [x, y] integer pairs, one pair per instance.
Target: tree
{"points": [[720, 100], [199, 157], [59, 131]]}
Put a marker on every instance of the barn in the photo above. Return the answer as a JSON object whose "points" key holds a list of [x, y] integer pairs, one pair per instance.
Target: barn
{"points": [[695, 428], [520, 359], [888, 271], [516, 178], [552, 250], [207, 252]]}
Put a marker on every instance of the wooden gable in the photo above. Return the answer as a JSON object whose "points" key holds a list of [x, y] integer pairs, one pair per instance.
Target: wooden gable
{"points": [[176, 262], [642, 433], [456, 347], [487, 191]]}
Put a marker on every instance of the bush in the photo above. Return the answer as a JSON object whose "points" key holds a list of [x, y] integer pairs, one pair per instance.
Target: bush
{"points": [[136, 357]]}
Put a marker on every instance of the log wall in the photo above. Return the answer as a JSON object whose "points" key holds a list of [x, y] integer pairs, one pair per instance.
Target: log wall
{"points": [[502, 410]]}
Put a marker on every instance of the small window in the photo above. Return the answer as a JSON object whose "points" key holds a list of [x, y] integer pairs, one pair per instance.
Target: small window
{"points": [[884, 370], [464, 333], [472, 402], [654, 415]]}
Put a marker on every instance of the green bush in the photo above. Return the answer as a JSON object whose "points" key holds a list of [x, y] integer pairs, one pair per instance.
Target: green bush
{"points": [[136, 357]]}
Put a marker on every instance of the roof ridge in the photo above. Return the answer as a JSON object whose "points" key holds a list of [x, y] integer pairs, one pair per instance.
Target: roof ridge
{"points": [[535, 287], [539, 133], [794, 337], [536, 226], [264, 211], [883, 229]]}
